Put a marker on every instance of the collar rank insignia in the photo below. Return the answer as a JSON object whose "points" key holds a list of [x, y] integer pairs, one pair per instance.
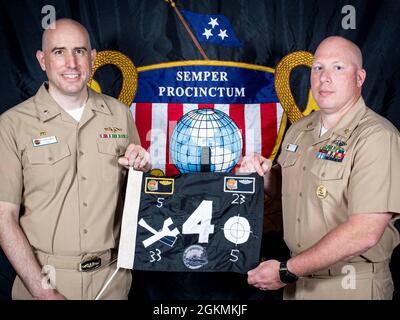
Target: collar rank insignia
{"points": [[333, 153]]}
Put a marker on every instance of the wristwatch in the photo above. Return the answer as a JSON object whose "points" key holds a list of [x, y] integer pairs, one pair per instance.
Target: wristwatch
{"points": [[285, 275]]}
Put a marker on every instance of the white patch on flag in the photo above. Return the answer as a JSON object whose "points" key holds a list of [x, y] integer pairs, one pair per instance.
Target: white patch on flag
{"points": [[279, 115], [158, 135], [252, 116], [133, 110]]}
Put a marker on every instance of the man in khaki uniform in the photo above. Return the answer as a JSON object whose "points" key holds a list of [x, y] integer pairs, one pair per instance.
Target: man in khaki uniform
{"points": [[340, 189], [60, 153]]}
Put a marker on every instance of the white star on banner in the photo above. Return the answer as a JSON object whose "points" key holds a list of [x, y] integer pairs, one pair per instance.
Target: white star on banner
{"points": [[207, 33], [213, 22], [222, 34]]}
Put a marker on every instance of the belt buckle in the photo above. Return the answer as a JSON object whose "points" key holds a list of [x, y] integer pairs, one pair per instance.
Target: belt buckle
{"points": [[90, 263]]}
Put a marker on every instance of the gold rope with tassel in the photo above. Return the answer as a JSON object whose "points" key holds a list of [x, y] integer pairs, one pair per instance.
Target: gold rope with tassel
{"points": [[282, 84], [129, 73]]}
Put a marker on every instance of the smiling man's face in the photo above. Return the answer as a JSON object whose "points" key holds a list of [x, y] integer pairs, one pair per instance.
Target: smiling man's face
{"points": [[67, 59]]}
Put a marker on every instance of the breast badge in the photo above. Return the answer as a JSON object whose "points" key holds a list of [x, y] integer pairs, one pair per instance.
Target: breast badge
{"points": [[321, 192]]}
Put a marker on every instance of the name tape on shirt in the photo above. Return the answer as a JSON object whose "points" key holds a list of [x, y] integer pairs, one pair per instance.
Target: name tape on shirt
{"points": [[292, 147], [38, 142]]}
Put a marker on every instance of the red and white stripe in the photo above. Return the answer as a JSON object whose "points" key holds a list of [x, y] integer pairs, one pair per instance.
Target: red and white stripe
{"points": [[259, 125]]}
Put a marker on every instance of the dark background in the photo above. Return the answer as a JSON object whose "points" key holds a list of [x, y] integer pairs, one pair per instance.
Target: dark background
{"points": [[149, 32]]}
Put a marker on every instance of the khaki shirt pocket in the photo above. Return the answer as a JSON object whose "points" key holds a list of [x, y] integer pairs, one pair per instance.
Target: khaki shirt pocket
{"points": [[328, 170], [329, 175], [109, 152], [44, 165], [289, 161]]}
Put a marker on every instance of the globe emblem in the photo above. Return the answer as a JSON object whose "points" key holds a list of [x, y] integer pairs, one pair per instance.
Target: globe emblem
{"points": [[206, 129]]}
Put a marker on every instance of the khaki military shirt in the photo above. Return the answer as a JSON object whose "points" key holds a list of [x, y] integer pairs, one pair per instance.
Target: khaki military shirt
{"points": [[65, 174], [361, 174]]}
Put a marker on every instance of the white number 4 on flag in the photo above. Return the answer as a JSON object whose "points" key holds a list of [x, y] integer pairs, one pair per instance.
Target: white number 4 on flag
{"points": [[199, 222]]}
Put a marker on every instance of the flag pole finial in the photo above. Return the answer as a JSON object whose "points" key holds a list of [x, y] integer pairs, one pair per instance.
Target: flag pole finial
{"points": [[171, 2]]}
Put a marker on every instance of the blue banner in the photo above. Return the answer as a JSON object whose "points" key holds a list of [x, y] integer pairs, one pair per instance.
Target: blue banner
{"points": [[206, 84]]}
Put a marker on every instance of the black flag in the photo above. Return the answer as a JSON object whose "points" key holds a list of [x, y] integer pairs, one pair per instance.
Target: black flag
{"points": [[200, 222]]}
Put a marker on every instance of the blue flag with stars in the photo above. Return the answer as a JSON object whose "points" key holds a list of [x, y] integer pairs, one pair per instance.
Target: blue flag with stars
{"points": [[212, 28]]}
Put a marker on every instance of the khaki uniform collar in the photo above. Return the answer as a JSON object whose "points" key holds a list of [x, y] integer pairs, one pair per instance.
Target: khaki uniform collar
{"points": [[97, 103], [313, 122], [351, 119], [344, 128], [312, 125], [47, 108]]}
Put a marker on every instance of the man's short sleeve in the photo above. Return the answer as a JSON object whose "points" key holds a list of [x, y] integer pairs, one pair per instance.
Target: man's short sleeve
{"points": [[11, 180], [374, 184]]}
